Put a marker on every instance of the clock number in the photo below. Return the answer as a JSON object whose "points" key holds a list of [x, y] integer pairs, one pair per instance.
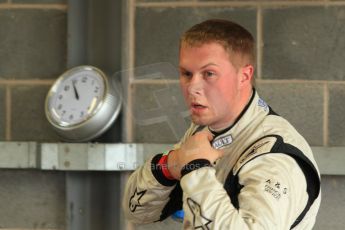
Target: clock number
{"points": [[59, 107], [60, 96], [71, 117], [96, 89], [84, 79], [66, 88], [81, 113]]}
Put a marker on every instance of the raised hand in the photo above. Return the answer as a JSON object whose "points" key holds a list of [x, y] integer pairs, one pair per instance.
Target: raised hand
{"points": [[196, 147]]}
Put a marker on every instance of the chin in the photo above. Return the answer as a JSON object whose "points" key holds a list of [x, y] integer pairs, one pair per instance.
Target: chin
{"points": [[200, 121]]}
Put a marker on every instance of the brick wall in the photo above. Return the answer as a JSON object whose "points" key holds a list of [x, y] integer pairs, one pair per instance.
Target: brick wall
{"points": [[33, 50], [33, 42], [300, 70], [300, 47]]}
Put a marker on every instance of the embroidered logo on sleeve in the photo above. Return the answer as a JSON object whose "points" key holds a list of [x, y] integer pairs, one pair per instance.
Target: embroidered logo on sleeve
{"points": [[134, 202], [199, 221], [261, 146], [275, 188], [254, 150]]}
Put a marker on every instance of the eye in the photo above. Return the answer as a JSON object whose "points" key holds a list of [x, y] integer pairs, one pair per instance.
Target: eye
{"points": [[209, 74], [186, 74]]}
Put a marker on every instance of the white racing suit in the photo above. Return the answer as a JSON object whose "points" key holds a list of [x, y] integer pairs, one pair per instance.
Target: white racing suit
{"points": [[267, 179]]}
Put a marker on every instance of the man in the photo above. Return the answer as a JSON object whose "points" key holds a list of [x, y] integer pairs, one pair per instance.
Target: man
{"points": [[239, 165]]}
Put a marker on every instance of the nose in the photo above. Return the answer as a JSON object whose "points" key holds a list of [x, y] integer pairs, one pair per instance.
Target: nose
{"points": [[195, 86]]}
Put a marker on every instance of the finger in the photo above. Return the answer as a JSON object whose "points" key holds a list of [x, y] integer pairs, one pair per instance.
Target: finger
{"points": [[202, 134], [219, 155], [208, 134]]}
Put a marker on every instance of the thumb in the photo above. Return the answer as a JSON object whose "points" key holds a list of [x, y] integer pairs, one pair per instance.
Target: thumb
{"points": [[209, 135]]}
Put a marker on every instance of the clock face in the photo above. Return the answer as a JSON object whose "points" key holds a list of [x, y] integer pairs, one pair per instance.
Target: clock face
{"points": [[76, 97]]}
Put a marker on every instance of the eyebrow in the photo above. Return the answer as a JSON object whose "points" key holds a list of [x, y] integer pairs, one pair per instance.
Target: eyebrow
{"points": [[208, 64], [202, 67]]}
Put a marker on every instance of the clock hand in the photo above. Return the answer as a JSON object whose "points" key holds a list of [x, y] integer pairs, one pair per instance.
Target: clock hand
{"points": [[75, 90]]}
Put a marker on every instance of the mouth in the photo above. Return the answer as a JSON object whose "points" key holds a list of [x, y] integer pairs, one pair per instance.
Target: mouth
{"points": [[196, 107]]}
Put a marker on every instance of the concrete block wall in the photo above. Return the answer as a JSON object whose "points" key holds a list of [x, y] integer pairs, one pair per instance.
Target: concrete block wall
{"points": [[33, 38], [300, 70], [300, 73], [33, 51], [300, 50]]}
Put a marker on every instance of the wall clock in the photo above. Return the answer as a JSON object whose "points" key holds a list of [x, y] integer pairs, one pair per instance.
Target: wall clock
{"points": [[83, 103]]}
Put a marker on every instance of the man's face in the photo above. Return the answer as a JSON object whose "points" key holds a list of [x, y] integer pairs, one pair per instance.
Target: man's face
{"points": [[210, 84]]}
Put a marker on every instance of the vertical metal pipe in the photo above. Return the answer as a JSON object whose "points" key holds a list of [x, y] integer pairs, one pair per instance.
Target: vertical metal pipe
{"points": [[93, 199]]}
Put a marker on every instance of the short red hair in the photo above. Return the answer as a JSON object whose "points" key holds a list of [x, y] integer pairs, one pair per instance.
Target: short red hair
{"points": [[235, 39]]}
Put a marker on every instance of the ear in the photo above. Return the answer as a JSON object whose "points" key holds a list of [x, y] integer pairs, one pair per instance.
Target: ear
{"points": [[247, 72]]}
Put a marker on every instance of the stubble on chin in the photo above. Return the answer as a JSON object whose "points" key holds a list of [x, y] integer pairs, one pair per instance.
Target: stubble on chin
{"points": [[199, 121]]}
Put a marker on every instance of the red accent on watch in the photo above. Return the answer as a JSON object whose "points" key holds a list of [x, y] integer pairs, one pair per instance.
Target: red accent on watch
{"points": [[163, 162]]}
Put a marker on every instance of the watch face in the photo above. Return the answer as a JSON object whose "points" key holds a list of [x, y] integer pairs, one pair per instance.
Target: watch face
{"points": [[76, 96]]}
